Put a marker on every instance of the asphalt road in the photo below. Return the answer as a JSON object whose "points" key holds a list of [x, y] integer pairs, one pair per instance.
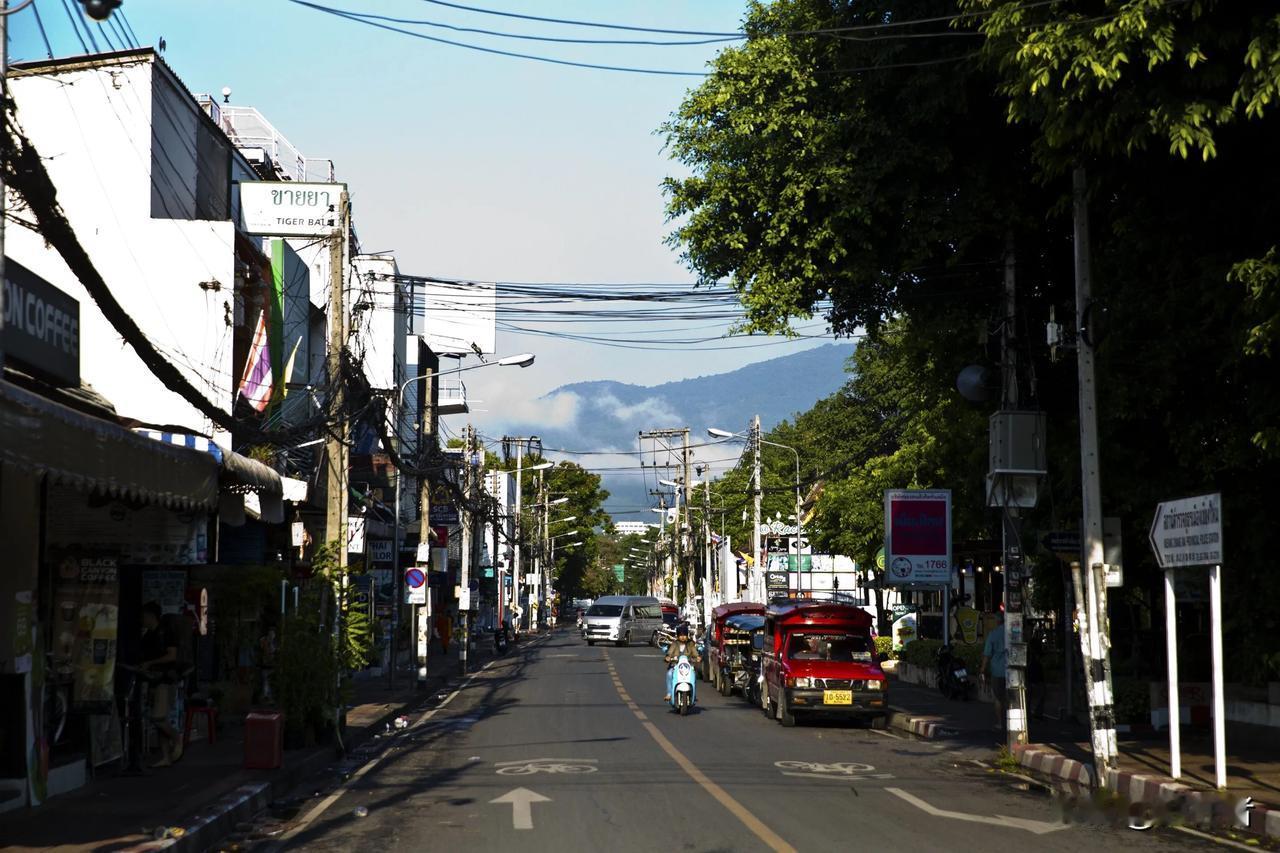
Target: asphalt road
{"points": [[559, 746]]}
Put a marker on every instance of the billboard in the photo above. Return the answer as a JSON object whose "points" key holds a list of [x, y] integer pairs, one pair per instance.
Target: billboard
{"points": [[290, 208], [917, 536], [455, 317]]}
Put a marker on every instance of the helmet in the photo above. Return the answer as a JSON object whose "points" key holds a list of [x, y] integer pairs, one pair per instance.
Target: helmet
{"points": [[682, 630]]}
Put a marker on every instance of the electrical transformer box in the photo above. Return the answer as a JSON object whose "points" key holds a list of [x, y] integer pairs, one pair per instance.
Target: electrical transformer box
{"points": [[1018, 444]]}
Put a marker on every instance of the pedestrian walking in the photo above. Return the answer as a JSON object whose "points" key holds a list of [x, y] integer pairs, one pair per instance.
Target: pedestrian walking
{"points": [[995, 661]]}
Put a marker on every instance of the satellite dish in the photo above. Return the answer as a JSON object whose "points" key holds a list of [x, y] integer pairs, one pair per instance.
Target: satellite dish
{"points": [[974, 383]]}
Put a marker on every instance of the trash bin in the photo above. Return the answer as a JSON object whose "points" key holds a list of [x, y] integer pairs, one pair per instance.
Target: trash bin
{"points": [[263, 740]]}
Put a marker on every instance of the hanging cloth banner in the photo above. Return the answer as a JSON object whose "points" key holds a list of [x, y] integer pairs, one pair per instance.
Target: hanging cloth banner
{"points": [[256, 383]]}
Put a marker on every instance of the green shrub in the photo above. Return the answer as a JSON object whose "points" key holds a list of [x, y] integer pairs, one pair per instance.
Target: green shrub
{"points": [[924, 653], [884, 648]]}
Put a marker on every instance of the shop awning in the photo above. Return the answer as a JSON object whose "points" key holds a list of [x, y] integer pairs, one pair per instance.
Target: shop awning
{"points": [[240, 476], [40, 435]]}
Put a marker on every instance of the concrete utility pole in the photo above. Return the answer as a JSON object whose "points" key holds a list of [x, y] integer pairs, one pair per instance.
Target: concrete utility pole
{"points": [[464, 575], [4, 101], [1102, 721], [757, 568], [336, 442], [336, 472], [1015, 645], [688, 524]]}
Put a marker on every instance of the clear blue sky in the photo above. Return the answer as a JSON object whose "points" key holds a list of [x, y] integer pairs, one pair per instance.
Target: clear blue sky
{"points": [[466, 164]]}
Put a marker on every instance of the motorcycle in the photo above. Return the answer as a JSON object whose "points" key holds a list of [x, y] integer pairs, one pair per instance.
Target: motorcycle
{"points": [[500, 639], [683, 688], [953, 677]]}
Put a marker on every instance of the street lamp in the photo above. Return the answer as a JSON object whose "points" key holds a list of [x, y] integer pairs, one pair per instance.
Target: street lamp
{"points": [[724, 433], [523, 359]]}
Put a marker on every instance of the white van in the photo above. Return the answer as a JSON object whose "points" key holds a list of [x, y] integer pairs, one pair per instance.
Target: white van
{"points": [[623, 619]]}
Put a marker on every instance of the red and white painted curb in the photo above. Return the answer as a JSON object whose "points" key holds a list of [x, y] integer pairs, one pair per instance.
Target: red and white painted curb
{"points": [[1158, 791], [925, 727]]}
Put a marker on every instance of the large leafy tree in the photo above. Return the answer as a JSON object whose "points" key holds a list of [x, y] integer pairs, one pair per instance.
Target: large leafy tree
{"points": [[893, 190], [849, 176]]}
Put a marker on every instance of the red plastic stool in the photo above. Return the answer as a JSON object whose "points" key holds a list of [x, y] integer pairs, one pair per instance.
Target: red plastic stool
{"points": [[210, 713]]}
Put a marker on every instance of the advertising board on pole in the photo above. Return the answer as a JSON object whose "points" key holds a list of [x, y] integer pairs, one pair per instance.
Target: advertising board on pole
{"points": [[917, 536]]}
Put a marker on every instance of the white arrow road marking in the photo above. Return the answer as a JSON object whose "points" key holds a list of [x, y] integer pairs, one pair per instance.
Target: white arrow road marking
{"points": [[1039, 827], [521, 800]]}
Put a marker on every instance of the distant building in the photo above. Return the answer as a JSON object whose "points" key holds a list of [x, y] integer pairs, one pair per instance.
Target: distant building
{"points": [[627, 528]]}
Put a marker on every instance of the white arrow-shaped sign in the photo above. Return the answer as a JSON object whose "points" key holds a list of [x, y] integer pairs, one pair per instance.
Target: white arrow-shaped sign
{"points": [[1039, 827], [521, 800]]}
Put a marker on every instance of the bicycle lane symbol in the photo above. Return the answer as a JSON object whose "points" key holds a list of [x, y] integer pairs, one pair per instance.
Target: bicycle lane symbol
{"points": [[532, 766], [842, 771]]}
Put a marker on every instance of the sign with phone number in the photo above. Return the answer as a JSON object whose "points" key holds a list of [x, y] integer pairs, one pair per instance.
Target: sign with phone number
{"points": [[917, 536]]}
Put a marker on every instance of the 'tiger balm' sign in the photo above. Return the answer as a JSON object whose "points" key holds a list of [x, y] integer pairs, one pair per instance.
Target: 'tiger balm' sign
{"points": [[290, 209]]}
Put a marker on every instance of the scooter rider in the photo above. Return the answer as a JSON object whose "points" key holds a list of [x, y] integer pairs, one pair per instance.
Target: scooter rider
{"points": [[683, 645]]}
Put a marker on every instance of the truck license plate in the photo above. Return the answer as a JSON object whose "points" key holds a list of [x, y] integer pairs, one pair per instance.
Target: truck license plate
{"points": [[837, 697]]}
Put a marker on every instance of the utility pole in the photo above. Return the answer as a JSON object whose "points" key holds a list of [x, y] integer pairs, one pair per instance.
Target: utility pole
{"points": [[757, 570], [1015, 645], [708, 576], [468, 517], [336, 442], [688, 524], [4, 127], [1102, 721]]}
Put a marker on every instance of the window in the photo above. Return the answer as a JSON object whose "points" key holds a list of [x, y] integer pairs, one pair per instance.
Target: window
{"points": [[604, 610], [841, 647]]}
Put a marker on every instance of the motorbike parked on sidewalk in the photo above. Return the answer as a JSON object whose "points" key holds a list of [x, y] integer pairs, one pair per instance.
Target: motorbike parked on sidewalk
{"points": [[953, 676]]}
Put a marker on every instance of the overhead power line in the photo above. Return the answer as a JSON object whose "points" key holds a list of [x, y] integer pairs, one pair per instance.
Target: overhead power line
{"points": [[738, 34], [493, 50]]}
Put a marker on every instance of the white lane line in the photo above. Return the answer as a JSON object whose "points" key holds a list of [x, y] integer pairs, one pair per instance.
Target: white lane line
{"points": [[1039, 827], [887, 733], [337, 793]]}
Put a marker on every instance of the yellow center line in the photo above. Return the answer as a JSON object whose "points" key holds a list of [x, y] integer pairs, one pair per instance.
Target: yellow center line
{"points": [[770, 838]]}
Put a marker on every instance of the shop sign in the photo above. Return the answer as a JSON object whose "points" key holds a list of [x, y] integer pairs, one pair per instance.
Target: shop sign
{"points": [[777, 528], [917, 533], [41, 326], [355, 534], [776, 583], [290, 209], [166, 587], [442, 514], [380, 550]]}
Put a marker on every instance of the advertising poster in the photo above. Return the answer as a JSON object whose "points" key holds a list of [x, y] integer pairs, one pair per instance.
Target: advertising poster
{"points": [[967, 618], [86, 614], [917, 527]]}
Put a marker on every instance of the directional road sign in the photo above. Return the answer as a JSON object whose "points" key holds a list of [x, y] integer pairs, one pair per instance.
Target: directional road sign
{"points": [[1188, 532]]}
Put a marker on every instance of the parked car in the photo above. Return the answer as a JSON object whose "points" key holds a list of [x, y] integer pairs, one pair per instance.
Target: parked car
{"points": [[819, 659], [623, 619], [715, 631]]}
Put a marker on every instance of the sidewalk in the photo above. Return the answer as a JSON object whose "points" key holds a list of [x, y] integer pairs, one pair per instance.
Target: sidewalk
{"points": [[1061, 750], [209, 791]]}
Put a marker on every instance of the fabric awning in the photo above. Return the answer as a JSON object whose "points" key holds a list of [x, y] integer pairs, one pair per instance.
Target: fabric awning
{"points": [[43, 436], [241, 476]]}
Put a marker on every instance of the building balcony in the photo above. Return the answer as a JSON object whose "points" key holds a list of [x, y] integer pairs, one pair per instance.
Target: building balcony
{"points": [[452, 399]]}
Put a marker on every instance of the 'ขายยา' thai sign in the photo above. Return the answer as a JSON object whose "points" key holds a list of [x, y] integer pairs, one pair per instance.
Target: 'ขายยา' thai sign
{"points": [[289, 209]]}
